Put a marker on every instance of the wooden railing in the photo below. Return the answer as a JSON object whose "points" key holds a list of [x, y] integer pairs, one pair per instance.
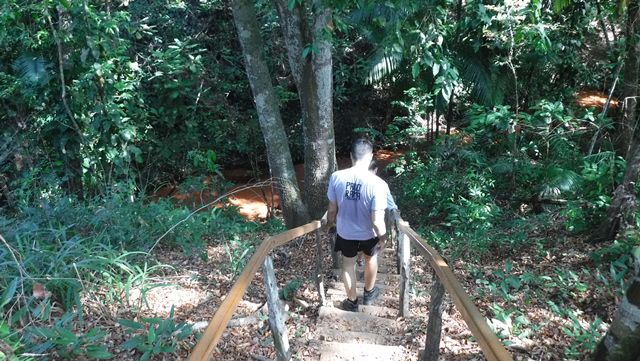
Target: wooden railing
{"points": [[221, 318], [444, 279], [491, 347]]}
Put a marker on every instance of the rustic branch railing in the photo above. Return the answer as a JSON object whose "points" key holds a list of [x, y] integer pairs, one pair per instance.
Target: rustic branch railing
{"points": [[221, 318], [444, 277], [491, 347]]}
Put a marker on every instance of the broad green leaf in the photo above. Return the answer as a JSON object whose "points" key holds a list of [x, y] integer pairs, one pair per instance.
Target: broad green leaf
{"points": [[130, 324], [8, 294], [415, 70], [131, 344], [151, 336], [98, 352]]}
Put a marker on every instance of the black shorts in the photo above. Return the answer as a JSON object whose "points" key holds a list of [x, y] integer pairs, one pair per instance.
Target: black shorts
{"points": [[350, 248]]}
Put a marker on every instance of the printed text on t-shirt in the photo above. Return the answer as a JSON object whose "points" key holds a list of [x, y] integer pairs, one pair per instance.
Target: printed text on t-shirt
{"points": [[352, 191]]}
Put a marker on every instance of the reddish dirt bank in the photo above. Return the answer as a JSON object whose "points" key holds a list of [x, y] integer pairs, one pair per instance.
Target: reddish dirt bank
{"points": [[252, 199], [594, 99]]}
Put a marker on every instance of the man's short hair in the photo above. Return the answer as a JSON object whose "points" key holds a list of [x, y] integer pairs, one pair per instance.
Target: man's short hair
{"points": [[360, 148]]}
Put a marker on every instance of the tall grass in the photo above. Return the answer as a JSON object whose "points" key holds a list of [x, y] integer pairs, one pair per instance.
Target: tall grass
{"points": [[58, 258]]}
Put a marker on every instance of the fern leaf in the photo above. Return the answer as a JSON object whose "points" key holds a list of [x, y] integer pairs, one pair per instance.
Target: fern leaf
{"points": [[560, 146]]}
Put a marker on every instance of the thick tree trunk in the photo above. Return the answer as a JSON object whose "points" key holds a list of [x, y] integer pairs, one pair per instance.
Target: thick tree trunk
{"points": [[627, 124], [275, 137], [314, 80], [621, 212], [622, 341]]}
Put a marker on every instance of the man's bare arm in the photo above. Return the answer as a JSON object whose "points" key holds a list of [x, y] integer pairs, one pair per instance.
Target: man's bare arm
{"points": [[377, 217], [332, 213]]}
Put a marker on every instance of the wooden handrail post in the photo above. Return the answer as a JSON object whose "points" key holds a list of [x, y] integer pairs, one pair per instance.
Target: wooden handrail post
{"points": [[335, 260], [434, 325], [404, 250], [319, 269], [276, 319], [392, 234]]}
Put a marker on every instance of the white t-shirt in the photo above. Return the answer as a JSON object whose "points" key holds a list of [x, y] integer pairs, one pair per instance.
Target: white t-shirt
{"points": [[391, 204], [357, 192]]}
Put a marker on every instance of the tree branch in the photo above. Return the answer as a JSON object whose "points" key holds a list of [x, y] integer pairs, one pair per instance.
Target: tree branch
{"points": [[61, 71]]}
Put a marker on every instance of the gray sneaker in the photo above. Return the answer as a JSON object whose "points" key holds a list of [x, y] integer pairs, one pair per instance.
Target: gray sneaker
{"points": [[370, 296], [349, 305]]}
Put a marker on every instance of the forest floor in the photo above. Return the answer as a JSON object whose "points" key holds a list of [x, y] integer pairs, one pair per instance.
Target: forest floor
{"points": [[543, 298]]}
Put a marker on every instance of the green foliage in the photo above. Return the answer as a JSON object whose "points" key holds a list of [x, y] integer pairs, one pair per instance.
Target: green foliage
{"points": [[584, 338], [14, 343], [32, 69], [238, 251], [452, 184], [144, 85], [63, 342], [290, 289], [74, 250], [154, 336], [510, 322]]}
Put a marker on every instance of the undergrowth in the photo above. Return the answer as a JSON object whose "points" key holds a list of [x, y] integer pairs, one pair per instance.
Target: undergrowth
{"points": [[60, 258], [514, 190]]}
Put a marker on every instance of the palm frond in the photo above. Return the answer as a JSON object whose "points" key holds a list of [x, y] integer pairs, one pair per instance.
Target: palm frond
{"points": [[559, 5], [487, 88], [382, 64], [503, 166], [601, 157], [32, 69], [558, 180], [390, 13]]}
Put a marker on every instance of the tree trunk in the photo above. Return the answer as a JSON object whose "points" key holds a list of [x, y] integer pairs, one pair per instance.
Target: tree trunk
{"points": [[622, 341], [627, 124], [621, 212], [275, 137], [314, 80]]}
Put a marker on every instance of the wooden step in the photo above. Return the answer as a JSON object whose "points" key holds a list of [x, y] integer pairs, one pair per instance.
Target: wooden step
{"points": [[382, 268], [328, 334], [336, 318], [360, 286], [379, 311], [372, 310], [336, 351], [385, 277], [384, 293], [335, 298]]}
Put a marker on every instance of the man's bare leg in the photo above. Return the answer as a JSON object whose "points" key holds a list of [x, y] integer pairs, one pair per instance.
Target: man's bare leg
{"points": [[370, 271], [349, 277]]}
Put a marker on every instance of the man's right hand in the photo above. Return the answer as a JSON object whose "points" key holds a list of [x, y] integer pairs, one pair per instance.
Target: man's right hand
{"points": [[382, 241], [328, 226]]}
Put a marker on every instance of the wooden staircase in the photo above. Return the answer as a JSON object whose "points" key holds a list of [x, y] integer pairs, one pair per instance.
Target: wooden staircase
{"points": [[375, 331]]}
